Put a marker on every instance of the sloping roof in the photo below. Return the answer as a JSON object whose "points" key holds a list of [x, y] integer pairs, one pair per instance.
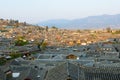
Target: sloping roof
{"points": [[15, 62], [58, 57], [57, 73], [34, 74], [44, 56], [2, 75], [28, 72], [108, 73], [24, 71], [62, 72]]}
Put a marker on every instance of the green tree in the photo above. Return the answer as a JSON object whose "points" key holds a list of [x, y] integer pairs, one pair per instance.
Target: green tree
{"points": [[46, 28], [21, 41], [79, 31], [108, 29], [42, 45], [2, 61], [15, 55], [54, 27]]}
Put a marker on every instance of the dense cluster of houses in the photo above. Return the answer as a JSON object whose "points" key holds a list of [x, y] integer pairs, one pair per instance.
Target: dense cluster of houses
{"points": [[69, 55], [96, 61], [55, 36]]}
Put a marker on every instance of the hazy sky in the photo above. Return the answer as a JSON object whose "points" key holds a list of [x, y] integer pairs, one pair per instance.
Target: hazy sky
{"points": [[33, 11]]}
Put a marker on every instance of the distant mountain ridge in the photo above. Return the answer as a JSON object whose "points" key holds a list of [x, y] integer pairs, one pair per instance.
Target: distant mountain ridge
{"points": [[90, 22]]}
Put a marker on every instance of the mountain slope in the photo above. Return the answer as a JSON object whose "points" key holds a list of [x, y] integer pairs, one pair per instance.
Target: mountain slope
{"points": [[86, 23]]}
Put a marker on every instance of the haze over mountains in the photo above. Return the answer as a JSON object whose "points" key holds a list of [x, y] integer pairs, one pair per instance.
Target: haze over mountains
{"points": [[91, 22]]}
